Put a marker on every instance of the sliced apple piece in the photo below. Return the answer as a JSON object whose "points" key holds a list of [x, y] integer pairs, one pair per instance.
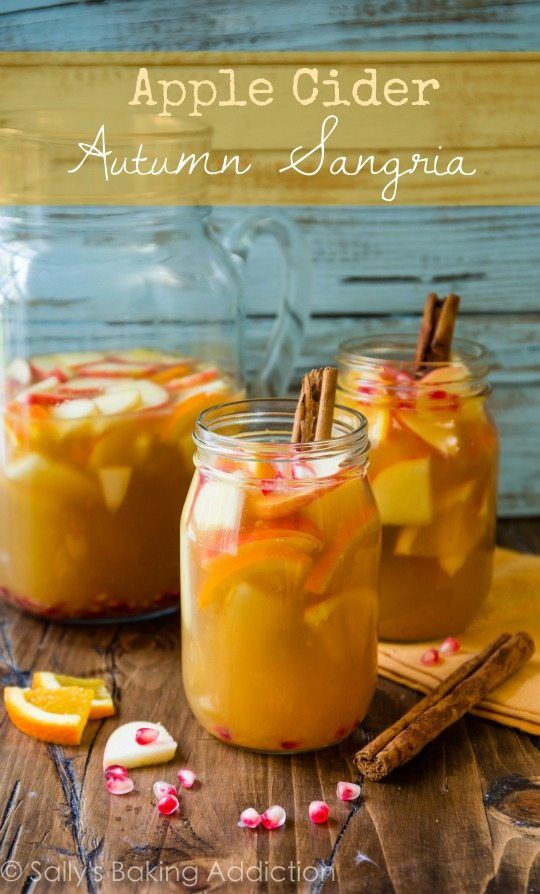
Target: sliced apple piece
{"points": [[20, 371], [112, 369], [152, 395], [403, 492], [114, 482], [51, 478], [79, 408], [437, 429], [122, 747], [379, 423], [218, 507], [115, 402], [194, 380], [42, 392]]}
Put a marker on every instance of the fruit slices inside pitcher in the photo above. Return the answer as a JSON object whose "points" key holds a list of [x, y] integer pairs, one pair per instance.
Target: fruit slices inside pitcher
{"points": [[97, 462]]}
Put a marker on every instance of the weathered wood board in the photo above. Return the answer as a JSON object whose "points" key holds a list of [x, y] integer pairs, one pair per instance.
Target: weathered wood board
{"points": [[291, 24], [462, 818]]}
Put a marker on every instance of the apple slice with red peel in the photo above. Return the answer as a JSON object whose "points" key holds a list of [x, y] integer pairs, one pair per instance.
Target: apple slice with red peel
{"points": [[114, 482], [44, 392], [193, 380], [49, 364], [115, 402], [403, 492], [113, 369], [123, 749]]}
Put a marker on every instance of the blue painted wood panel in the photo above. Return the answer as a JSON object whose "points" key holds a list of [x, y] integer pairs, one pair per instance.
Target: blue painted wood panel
{"points": [[263, 25]]}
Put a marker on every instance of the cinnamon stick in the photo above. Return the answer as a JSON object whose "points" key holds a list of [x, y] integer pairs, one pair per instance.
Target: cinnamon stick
{"points": [[468, 685], [314, 414], [434, 344]]}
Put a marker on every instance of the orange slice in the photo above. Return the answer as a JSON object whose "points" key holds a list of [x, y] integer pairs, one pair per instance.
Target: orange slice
{"points": [[102, 704], [276, 505], [57, 716], [293, 531], [337, 555], [173, 372], [259, 560]]}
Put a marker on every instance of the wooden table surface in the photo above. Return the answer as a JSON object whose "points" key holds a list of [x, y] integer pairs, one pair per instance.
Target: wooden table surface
{"points": [[463, 817]]}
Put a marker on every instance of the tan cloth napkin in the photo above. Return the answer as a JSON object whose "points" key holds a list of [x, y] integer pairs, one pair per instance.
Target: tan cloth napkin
{"points": [[513, 604]]}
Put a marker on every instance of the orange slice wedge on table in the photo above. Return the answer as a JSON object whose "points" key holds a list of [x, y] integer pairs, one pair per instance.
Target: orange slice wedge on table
{"points": [[57, 716], [101, 705], [254, 561]]}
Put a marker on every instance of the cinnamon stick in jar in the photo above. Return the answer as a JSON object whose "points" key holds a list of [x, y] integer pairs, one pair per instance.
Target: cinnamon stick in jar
{"points": [[434, 344], [314, 416], [468, 685]]}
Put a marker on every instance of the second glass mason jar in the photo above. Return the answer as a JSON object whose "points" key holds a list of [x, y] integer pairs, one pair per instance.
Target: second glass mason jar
{"points": [[433, 467], [280, 550]]}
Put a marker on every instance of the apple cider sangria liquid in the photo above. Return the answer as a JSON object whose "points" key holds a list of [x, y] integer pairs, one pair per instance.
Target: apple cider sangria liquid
{"points": [[280, 551], [433, 468], [97, 459]]}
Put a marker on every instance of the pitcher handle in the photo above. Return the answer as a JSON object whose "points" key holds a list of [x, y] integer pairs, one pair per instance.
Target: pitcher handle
{"points": [[275, 371]]}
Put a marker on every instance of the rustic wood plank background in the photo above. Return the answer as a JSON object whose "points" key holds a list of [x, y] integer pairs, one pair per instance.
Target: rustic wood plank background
{"points": [[458, 820], [371, 266]]}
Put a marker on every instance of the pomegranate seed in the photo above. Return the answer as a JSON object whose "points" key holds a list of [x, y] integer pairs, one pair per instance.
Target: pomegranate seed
{"points": [[119, 786], [348, 791], [223, 733], [367, 389], [318, 811], [289, 745], [249, 818], [168, 804], [274, 817], [186, 778], [145, 735], [449, 646], [430, 658], [116, 771], [163, 788], [438, 394]]}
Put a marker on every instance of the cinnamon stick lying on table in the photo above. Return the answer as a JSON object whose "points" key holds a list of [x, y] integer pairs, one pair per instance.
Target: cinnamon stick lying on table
{"points": [[434, 344], [468, 685], [314, 415]]}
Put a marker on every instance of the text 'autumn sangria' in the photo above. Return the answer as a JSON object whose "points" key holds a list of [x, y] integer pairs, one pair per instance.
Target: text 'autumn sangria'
{"points": [[280, 553], [96, 462], [433, 468]]}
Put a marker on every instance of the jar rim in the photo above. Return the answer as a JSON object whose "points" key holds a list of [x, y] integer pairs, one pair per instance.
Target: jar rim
{"points": [[397, 349], [278, 412]]}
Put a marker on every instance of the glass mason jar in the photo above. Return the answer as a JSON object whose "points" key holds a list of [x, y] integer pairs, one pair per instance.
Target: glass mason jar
{"points": [[280, 551], [119, 325], [433, 468]]}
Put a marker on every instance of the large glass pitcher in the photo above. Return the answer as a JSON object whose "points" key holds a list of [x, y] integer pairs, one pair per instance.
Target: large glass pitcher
{"points": [[119, 325]]}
